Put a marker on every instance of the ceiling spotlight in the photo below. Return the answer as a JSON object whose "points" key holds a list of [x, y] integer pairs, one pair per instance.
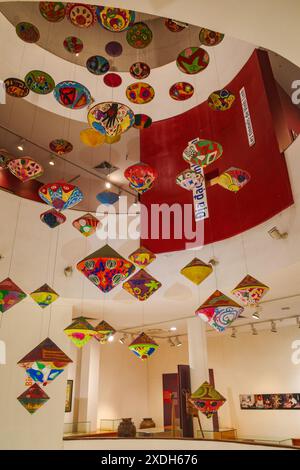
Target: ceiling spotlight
{"points": [[51, 161], [107, 185], [233, 334], [173, 328], [21, 145], [124, 338], [276, 234], [170, 342], [255, 315], [111, 338], [68, 271], [213, 262], [177, 341], [273, 327], [77, 54], [254, 330]]}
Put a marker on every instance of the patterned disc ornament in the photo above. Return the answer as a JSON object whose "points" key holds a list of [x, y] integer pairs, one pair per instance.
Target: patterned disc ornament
{"points": [[97, 65], [10, 294], [104, 332], [143, 346], [114, 49], [53, 11], [112, 80], [27, 32], [221, 100], [53, 218], [140, 93], [16, 87], [86, 224], [33, 398], [110, 118], [44, 296], [81, 15], [189, 179], [207, 399], [192, 60], [39, 82], [234, 179], [181, 91], [60, 146], [72, 95], [202, 152], [207, 37], [142, 121], [105, 268], [250, 291], [80, 332], [61, 195], [139, 70], [141, 177], [115, 19], [73, 44], [219, 311], [139, 35], [25, 168], [175, 26]]}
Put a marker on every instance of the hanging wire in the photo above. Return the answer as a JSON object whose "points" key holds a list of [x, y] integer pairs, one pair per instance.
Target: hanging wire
{"points": [[53, 277]]}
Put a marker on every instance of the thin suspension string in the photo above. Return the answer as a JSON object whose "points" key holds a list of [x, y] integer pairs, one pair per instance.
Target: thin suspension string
{"points": [[53, 276], [47, 278], [219, 85], [241, 234]]}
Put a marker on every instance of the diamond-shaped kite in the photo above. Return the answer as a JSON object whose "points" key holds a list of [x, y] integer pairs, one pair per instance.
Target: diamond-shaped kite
{"points": [[44, 296], [196, 271], [52, 218], [141, 285], [250, 291], [80, 331], [219, 311], [86, 225], [33, 398], [104, 330], [207, 399], [60, 195], [25, 168], [10, 294], [143, 346], [45, 362], [105, 268], [142, 257]]}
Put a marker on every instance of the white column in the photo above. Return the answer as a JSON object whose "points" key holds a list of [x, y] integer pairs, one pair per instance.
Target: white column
{"points": [[198, 361], [89, 384]]}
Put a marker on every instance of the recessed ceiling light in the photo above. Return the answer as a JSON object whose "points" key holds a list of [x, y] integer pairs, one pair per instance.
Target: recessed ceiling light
{"points": [[173, 328], [107, 185], [21, 145], [111, 338]]}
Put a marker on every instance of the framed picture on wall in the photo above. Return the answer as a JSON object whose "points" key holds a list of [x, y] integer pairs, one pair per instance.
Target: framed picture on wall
{"points": [[274, 401], [69, 395]]}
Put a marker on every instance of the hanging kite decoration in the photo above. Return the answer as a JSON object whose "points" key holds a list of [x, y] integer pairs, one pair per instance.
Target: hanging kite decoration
{"points": [[91, 137], [39, 82], [44, 296], [80, 332], [112, 139], [139, 35], [86, 224], [143, 346], [207, 399], [81, 15], [52, 218], [10, 294], [221, 100], [45, 362], [142, 257], [141, 285], [139, 70], [192, 60], [115, 19], [113, 80], [189, 179], [110, 118], [250, 291], [61, 195], [105, 268], [25, 168], [142, 121], [140, 93], [52, 11], [208, 37], [73, 44], [72, 95], [97, 65], [181, 91], [114, 49], [141, 177], [175, 26], [27, 32], [107, 197], [16, 87], [60, 146], [219, 311], [233, 179], [104, 331], [33, 398], [196, 271], [5, 158]]}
